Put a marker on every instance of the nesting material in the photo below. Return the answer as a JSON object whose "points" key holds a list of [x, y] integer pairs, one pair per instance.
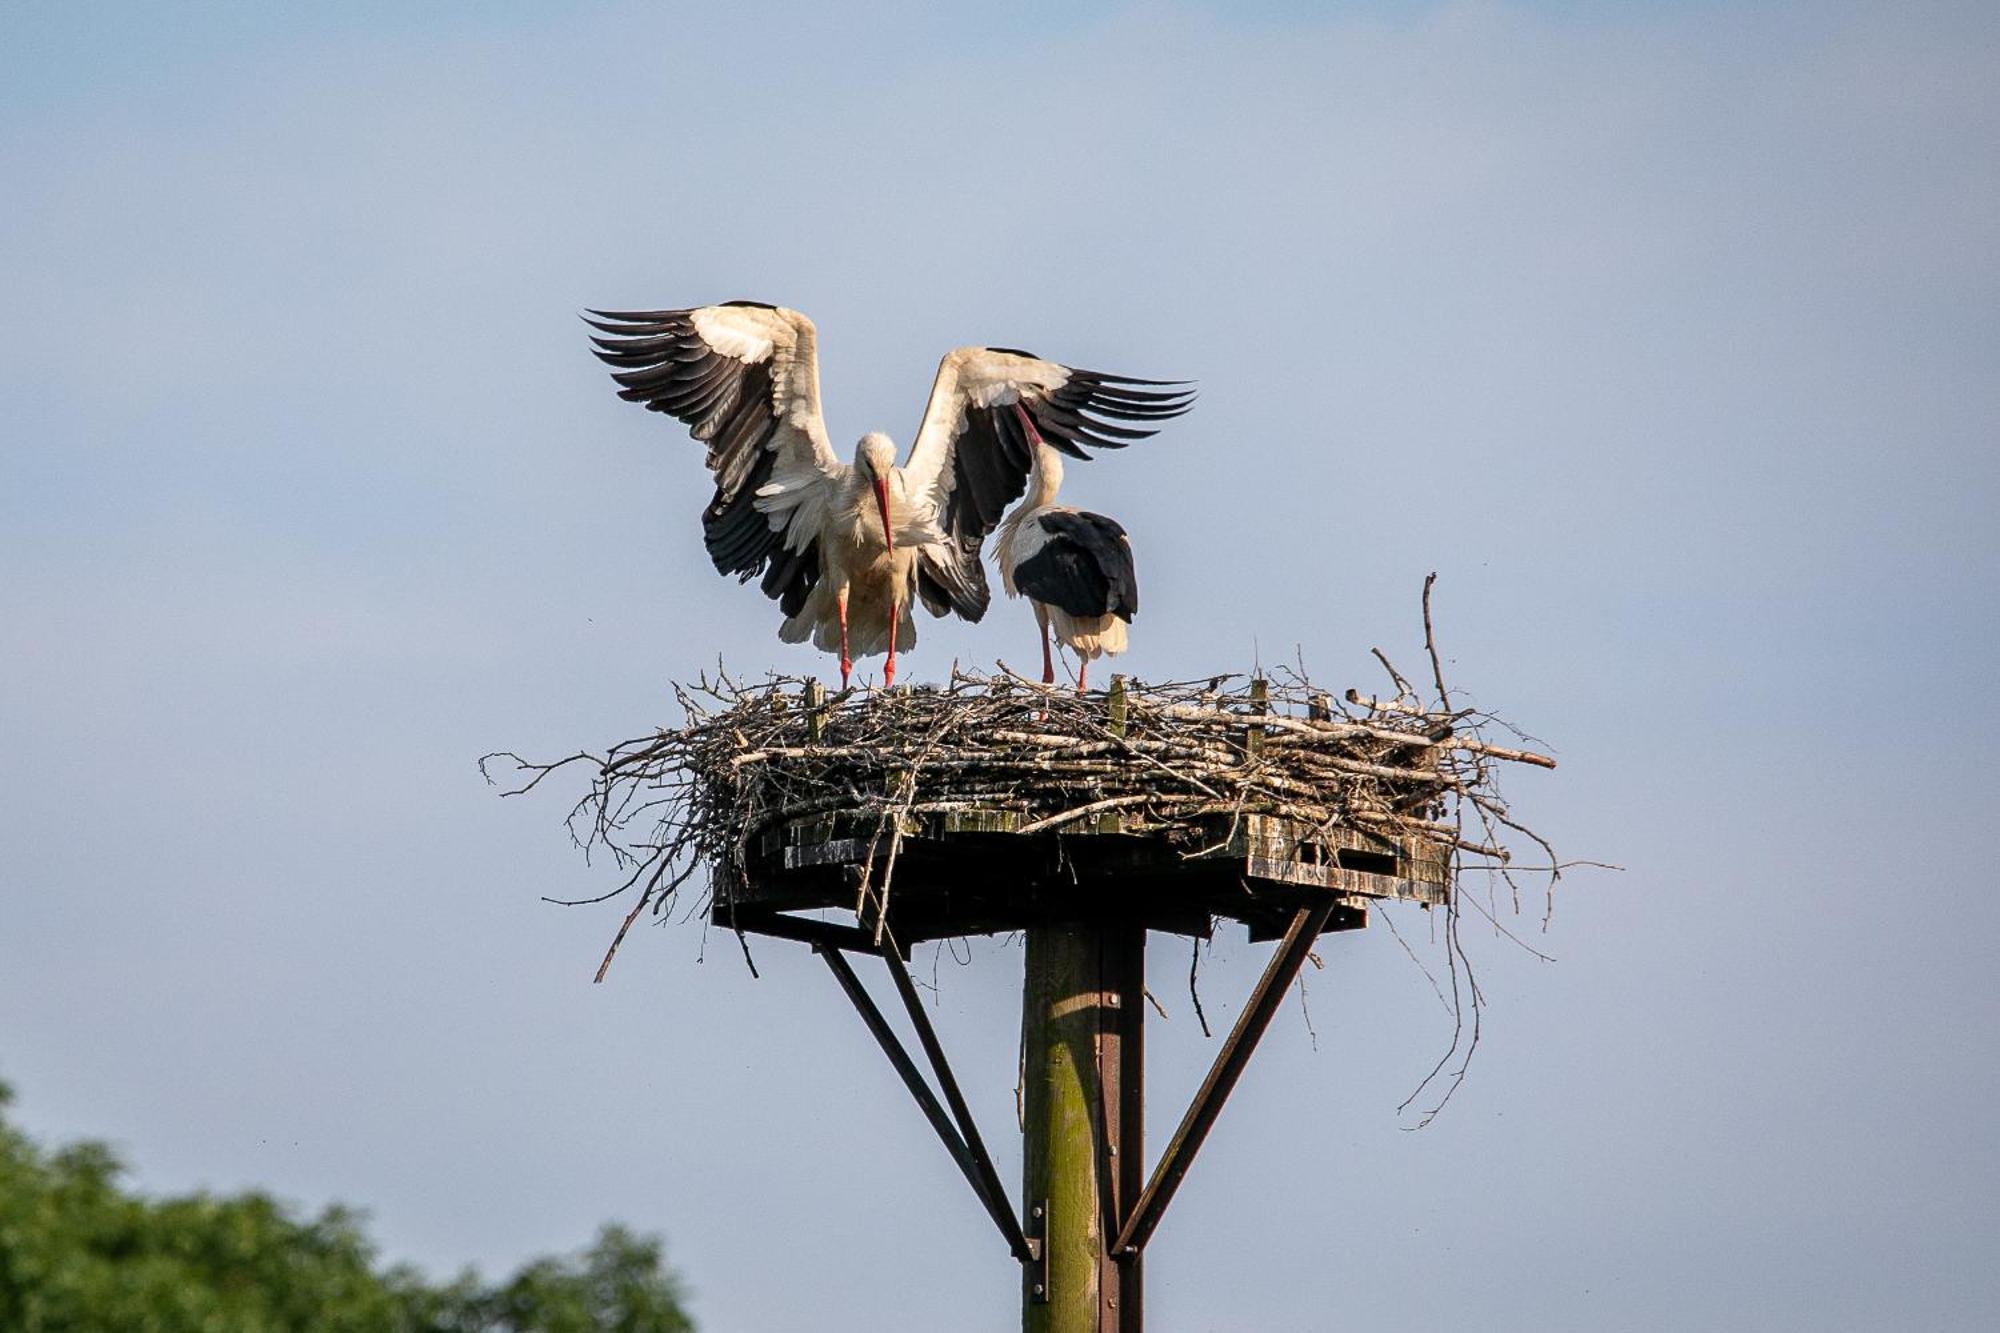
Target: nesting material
{"points": [[1164, 757], [1187, 767]]}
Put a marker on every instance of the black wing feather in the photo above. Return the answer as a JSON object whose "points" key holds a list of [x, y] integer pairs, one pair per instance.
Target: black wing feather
{"points": [[1085, 567], [993, 454], [727, 404], [1081, 411]]}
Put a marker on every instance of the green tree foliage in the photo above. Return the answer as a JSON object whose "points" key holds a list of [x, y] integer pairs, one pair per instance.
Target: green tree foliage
{"points": [[78, 1254]]}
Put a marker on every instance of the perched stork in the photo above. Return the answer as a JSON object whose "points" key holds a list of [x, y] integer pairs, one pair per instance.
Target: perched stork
{"points": [[846, 548], [1074, 567]]}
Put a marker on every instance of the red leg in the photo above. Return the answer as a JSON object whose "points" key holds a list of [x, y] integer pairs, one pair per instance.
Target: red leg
{"points": [[1048, 663], [1082, 670], [889, 671], [846, 662]]}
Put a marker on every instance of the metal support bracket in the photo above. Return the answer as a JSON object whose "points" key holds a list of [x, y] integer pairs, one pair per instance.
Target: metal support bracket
{"points": [[1228, 1067], [1035, 1268], [961, 1140], [994, 1195]]}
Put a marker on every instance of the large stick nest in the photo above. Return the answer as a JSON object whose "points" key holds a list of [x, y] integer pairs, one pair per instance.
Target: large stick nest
{"points": [[1168, 758], [752, 757]]}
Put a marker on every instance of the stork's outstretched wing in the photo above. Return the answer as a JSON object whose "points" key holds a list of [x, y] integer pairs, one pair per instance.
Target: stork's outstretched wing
{"points": [[744, 377], [972, 454]]}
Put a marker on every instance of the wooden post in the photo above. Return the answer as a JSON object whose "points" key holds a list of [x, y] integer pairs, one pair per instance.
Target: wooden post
{"points": [[1121, 1077], [1083, 1103], [815, 712]]}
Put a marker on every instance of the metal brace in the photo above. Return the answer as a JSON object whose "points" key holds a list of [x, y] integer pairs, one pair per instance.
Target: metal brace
{"points": [[1035, 1271]]}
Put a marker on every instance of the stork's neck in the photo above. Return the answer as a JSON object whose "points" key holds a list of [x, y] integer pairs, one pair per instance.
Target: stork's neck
{"points": [[1044, 480]]}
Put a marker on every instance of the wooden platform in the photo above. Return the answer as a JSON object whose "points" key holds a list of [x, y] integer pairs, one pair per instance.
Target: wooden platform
{"points": [[971, 873]]}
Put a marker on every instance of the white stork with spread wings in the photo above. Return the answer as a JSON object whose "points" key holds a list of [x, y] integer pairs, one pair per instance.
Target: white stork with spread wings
{"points": [[845, 548]]}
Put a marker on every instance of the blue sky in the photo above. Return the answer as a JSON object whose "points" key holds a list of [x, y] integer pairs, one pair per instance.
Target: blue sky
{"points": [[1666, 334]]}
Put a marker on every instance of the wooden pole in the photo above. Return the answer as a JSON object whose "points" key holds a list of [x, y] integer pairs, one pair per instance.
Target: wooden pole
{"points": [[1083, 1022], [1081, 1104]]}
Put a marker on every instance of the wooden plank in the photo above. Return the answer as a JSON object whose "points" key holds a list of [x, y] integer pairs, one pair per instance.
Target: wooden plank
{"points": [[763, 921], [840, 852], [969, 872], [979, 821], [1286, 840], [1355, 882]]}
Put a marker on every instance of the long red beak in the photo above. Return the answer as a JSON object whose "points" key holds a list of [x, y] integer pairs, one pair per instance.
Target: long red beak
{"points": [[882, 499]]}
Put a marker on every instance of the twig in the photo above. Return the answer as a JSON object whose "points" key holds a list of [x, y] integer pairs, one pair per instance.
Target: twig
{"points": [[619, 938], [1431, 647], [1194, 990]]}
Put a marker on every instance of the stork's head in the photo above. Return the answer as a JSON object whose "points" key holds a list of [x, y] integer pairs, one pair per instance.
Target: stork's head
{"points": [[876, 459], [876, 456]]}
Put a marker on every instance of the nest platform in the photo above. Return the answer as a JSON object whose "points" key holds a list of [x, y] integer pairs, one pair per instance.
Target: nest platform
{"points": [[993, 804], [976, 872]]}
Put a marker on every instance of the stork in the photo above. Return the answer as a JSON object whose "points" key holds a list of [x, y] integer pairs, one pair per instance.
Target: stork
{"points": [[845, 549], [1075, 568]]}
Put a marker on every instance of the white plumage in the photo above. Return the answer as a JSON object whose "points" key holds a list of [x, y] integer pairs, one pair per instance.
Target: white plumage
{"points": [[846, 548]]}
